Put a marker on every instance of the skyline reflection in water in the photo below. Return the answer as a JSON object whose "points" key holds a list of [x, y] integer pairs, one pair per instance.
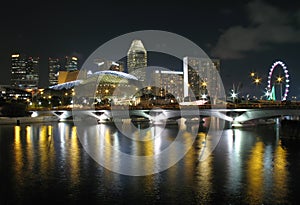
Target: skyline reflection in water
{"points": [[47, 162]]}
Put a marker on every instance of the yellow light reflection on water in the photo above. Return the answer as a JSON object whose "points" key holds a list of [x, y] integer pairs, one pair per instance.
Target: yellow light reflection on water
{"points": [[43, 136], [29, 147], [28, 135], [50, 145], [147, 149], [108, 151], [43, 150], [203, 170], [17, 135], [280, 174], [189, 158], [50, 130], [18, 153], [74, 157], [255, 170], [148, 144]]}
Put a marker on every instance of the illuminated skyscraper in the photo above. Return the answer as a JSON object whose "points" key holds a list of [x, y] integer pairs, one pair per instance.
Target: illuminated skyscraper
{"points": [[137, 60], [70, 63], [201, 76], [169, 82], [24, 71], [54, 67]]}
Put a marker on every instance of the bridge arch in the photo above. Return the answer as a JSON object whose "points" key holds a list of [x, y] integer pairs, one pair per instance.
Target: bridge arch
{"points": [[260, 114]]}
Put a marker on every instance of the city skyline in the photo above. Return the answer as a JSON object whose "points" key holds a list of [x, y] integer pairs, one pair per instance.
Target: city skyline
{"points": [[237, 33]]}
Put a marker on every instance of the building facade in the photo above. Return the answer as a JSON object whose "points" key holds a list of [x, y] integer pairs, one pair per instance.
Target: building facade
{"points": [[137, 60], [24, 71], [67, 76], [169, 82], [70, 63], [54, 66], [201, 76], [8, 93]]}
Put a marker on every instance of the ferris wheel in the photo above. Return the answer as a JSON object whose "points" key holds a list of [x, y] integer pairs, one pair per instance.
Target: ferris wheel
{"points": [[282, 80]]}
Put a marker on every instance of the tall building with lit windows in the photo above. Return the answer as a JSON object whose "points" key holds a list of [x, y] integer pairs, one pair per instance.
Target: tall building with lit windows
{"points": [[70, 63], [169, 82], [24, 71], [201, 76], [137, 60], [54, 66]]}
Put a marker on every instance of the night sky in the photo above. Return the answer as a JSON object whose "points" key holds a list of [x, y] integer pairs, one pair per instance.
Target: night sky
{"points": [[246, 35]]}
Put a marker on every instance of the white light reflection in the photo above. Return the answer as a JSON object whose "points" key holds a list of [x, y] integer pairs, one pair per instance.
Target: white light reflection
{"points": [[237, 139], [268, 164], [234, 140], [157, 138], [61, 128]]}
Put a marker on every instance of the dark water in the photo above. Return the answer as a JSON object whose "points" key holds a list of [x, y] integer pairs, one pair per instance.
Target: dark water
{"points": [[46, 163]]}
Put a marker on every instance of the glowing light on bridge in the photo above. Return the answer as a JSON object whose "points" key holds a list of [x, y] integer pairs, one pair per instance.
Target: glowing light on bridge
{"points": [[233, 94], [279, 79], [204, 96]]}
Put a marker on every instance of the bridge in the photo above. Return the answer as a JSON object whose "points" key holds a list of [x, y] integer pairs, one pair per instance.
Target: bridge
{"points": [[234, 115]]}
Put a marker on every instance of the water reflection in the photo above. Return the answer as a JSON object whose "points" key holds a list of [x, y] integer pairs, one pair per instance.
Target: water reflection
{"points": [[18, 153], [255, 174], [74, 157], [235, 162], [267, 173], [250, 166], [146, 152], [280, 175], [204, 172]]}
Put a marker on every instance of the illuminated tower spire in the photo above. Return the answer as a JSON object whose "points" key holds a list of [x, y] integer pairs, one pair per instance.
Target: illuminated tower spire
{"points": [[273, 95]]}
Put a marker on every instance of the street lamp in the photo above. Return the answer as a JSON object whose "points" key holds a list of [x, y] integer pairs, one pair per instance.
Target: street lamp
{"points": [[233, 95], [267, 94], [203, 87], [279, 79], [204, 84], [257, 80]]}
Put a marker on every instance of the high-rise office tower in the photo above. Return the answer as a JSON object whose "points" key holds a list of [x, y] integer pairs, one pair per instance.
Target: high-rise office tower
{"points": [[169, 82], [54, 66], [201, 76], [24, 71], [137, 60], [70, 63]]}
